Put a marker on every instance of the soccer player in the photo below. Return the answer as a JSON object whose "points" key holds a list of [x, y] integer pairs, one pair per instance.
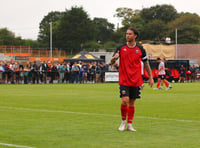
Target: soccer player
{"points": [[161, 75], [130, 77]]}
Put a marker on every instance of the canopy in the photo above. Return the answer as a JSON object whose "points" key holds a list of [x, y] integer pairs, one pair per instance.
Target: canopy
{"points": [[84, 56]]}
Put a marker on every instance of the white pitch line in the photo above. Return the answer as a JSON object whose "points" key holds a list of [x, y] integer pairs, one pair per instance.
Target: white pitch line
{"points": [[94, 114], [13, 145]]}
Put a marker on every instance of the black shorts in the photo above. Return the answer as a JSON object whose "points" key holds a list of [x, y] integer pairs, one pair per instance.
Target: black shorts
{"points": [[162, 77], [131, 92]]}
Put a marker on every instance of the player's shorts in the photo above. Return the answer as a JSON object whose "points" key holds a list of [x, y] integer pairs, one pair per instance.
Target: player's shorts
{"points": [[131, 92], [182, 75], [162, 77]]}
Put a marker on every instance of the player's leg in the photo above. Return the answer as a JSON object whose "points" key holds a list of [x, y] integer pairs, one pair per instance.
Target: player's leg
{"points": [[158, 83], [131, 112], [167, 84], [124, 111], [124, 94], [161, 82]]}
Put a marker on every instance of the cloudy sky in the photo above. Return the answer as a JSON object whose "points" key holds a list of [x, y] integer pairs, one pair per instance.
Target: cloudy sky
{"points": [[23, 16]]}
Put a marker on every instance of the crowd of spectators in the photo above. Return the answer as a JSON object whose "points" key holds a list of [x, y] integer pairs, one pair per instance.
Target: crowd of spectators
{"points": [[66, 72], [47, 72]]}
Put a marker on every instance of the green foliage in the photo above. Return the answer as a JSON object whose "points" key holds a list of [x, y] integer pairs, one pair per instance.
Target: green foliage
{"points": [[103, 30], [110, 44], [29, 42], [92, 45], [7, 37], [160, 21], [166, 13], [188, 26], [154, 29], [75, 29], [44, 33]]}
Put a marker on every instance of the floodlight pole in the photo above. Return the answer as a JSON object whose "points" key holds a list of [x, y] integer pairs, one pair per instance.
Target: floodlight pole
{"points": [[176, 43], [51, 40]]}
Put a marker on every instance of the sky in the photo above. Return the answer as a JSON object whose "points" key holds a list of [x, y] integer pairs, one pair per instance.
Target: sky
{"points": [[23, 16]]}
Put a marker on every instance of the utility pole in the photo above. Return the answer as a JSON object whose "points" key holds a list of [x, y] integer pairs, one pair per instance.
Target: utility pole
{"points": [[51, 40], [176, 43]]}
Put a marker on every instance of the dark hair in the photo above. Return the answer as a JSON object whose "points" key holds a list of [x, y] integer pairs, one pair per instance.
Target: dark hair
{"points": [[158, 58], [135, 31]]}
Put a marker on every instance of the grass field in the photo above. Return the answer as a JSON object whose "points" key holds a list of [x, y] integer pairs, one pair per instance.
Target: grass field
{"points": [[88, 116]]}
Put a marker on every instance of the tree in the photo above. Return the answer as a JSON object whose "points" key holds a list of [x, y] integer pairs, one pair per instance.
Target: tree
{"points": [[31, 43], [127, 15], [103, 29], [7, 37], [44, 32], [188, 26], [154, 30], [75, 29], [166, 13]]}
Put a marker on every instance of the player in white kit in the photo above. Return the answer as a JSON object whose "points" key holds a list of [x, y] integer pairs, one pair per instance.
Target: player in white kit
{"points": [[161, 76]]}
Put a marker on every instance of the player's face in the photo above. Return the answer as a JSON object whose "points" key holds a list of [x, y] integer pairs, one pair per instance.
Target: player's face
{"points": [[130, 36]]}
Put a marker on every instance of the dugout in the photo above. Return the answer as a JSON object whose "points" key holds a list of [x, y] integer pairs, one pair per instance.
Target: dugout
{"points": [[171, 64], [173, 69]]}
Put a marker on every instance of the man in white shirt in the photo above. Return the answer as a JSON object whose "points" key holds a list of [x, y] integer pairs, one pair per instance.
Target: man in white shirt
{"points": [[161, 75], [1, 71]]}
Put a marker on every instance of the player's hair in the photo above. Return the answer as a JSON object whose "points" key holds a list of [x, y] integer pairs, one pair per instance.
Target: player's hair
{"points": [[135, 31]]}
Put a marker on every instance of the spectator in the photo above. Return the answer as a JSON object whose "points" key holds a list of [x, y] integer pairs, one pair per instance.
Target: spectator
{"points": [[25, 75], [1, 71], [21, 74], [92, 72], [182, 74], [4, 76], [67, 76], [44, 71], [61, 71], [81, 75], [35, 72], [112, 68], [40, 72], [29, 66], [103, 70], [85, 72], [75, 73], [53, 71], [98, 73]]}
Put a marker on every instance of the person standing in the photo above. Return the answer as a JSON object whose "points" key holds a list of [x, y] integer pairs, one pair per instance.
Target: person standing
{"points": [[75, 73], [61, 71], [130, 78], [162, 76], [182, 74]]}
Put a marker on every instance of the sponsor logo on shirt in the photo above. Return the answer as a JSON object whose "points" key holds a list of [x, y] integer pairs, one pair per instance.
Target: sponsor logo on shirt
{"points": [[125, 49]]}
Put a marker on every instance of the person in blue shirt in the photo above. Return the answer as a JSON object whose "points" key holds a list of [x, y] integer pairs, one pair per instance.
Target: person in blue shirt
{"points": [[75, 73], [86, 71]]}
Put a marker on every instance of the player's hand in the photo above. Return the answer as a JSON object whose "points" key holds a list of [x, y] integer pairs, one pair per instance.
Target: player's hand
{"points": [[116, 55], [151, 82]]}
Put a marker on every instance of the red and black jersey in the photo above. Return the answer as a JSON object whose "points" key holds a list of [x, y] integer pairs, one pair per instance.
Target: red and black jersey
{"points": [[130, 64]]}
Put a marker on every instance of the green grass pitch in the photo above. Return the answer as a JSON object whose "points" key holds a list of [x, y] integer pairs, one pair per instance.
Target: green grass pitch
{"points": [[88, 116]]}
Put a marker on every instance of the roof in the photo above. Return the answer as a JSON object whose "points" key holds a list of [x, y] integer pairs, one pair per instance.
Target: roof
{"points": [[84, 56]]}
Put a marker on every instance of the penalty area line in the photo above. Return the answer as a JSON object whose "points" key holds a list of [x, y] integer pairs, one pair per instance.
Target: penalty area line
{"points": [[13, 145], [94, 114]]}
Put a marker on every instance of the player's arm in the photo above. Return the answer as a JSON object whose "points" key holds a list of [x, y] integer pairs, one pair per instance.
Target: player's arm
{"points": [[161, 68], [115, 56], [148, 69]]}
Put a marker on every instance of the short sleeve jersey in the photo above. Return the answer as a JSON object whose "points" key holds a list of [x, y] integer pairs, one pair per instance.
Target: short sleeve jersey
{"points": [[162, 71], [130, 64]]}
